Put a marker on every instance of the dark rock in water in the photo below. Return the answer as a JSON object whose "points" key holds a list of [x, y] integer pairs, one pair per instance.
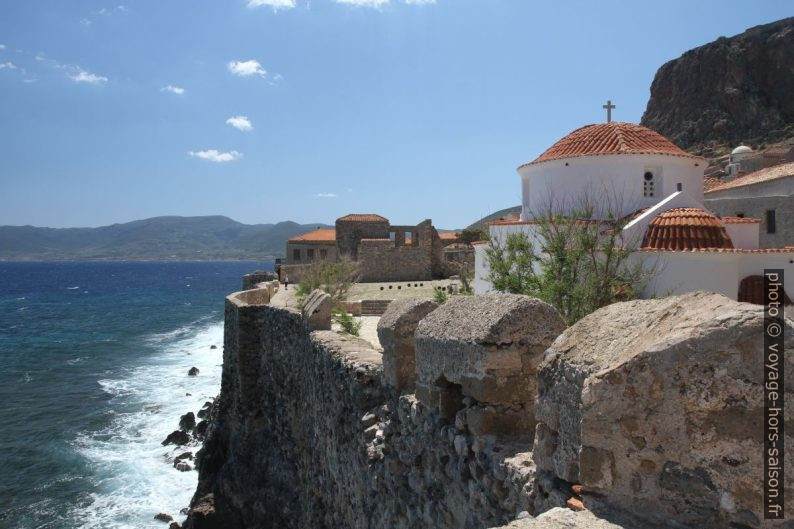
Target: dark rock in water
{"points": [[204, 412], [188, 394], [201, 429], [184, 511], [213, 346], [193, 371], [187, 422], [162, 517], [183, 456], [183, 467], [177, 437], [174, 525]]}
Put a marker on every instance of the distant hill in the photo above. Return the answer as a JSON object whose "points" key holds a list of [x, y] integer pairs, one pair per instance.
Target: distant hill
{"points": [[515, 211], [730, 91], [178, 238]]}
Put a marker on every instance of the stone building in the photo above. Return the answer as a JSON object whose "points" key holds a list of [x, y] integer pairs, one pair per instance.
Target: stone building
{"points": [[382, 251], [764, 196]]}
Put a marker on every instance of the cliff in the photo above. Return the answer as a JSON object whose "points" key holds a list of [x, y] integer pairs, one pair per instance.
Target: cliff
{"points": [[731, 91], [643, 415]]}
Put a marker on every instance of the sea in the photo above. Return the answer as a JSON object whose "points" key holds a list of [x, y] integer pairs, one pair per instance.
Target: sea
{"points": [[94, 360]]}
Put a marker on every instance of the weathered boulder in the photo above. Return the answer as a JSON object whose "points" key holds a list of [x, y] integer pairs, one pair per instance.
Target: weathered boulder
{"points": [[656, 406], [163, 517], [396, 330], [317, 310], [562, 518], [486, 348]]}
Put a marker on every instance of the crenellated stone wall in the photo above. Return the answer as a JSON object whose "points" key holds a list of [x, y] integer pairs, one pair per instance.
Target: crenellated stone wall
{"points": [[643, 415]]}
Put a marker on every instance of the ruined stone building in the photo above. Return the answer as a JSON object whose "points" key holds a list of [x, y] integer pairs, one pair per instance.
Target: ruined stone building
{"points": [[382, 251]]}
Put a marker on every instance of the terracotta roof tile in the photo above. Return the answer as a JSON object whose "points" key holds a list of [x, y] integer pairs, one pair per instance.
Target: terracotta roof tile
{"points": [[685, 229], [763, 175], [319, 235], [710, 182], [449, 235], [363, 217], [787, 249], [611, 138], [740, 220]]}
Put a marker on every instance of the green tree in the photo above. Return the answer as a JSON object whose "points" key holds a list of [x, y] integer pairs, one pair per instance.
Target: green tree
{"points": [[572, 262]]}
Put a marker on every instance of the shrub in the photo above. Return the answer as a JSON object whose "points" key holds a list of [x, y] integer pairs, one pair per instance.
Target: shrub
{"points": [[334, 277], [440, 296], [349, 324]]}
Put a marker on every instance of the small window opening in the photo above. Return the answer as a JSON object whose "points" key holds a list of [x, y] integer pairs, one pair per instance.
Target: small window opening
{"points": [[648, 184], [770, 221], [296, 254]]}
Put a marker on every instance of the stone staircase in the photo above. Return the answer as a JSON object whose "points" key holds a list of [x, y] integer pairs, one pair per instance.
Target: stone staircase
{"points": [[374, 307]]}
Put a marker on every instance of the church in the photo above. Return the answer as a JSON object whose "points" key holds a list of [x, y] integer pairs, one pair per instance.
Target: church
{"points": [[632, 172]]}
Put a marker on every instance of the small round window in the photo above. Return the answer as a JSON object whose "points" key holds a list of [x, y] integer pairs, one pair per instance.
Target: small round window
{"points": [[648, 176]]}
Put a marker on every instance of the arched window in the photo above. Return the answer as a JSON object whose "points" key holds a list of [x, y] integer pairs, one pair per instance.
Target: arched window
{"points": [[649, 184]]}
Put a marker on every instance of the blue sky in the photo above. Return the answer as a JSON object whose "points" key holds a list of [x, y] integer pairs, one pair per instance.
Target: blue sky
{"points": [[309, 109]]}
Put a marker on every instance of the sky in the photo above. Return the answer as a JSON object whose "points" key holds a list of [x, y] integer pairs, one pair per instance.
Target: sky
{"points": [[306, 110]]}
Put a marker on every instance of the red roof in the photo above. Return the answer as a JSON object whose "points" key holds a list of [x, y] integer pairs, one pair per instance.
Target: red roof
{"points": [[319, 235], [710, 182], [763, 175], [740, 220], [449, 235], [611, 138], [363, 217], [685, 229]]}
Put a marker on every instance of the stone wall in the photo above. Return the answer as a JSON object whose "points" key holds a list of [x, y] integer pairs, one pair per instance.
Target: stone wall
{"points": [[260, 276], [350, 232], [756, 207], [306, 434], [383, 260], [646, 414]]}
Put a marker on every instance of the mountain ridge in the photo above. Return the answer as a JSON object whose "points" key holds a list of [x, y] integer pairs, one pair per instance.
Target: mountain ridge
{"points": [[213, 237]]}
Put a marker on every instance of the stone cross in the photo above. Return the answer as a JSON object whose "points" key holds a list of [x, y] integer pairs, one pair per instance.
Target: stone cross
{"points": [[609, 106]]}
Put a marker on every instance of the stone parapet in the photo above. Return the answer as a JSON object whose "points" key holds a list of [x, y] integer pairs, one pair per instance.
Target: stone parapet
{"points": [[656, 407], [396, 335], [486, 348]]}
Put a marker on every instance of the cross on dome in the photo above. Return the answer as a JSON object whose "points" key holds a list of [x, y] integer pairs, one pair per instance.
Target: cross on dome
{"points": [[609, 106]]}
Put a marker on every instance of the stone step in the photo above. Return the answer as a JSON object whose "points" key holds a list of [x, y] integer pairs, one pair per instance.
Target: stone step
{"points": [[374, 307]]}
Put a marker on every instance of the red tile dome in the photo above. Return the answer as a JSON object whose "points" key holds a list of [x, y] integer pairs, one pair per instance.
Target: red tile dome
{"points": [[685, 229], [611, 138]]}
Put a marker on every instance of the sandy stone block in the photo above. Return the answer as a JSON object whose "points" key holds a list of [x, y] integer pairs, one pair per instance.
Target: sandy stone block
{"points": [[396, 330]]}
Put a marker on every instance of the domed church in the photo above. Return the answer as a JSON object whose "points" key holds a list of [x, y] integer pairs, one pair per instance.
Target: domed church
{"points": [[622, 170]]}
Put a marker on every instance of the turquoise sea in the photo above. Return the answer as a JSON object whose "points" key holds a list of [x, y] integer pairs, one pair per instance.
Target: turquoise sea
{"points": [[93, 376]]}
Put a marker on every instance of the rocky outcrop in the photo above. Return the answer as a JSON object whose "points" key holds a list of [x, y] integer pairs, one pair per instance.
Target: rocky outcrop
{"points": [[730, 91], [656, 407]]}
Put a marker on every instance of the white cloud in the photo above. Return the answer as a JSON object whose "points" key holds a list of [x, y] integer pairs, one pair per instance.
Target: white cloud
{"points": [[82, 76], [325, 195], [364, 3], [419, 2], [247, 68], [240, 122], [213, 155], [173, 89], [275, 4], [8, 66], [2, 47]]}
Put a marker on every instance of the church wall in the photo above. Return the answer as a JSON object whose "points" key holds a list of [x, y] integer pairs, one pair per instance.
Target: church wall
{"points": [[682, 272], [753, 264], [613, 179], [756, 207], [743, 235]]}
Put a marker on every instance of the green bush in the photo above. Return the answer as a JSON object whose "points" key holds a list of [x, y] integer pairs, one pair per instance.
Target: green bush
{"points": [[349, 324], [440, 296]]}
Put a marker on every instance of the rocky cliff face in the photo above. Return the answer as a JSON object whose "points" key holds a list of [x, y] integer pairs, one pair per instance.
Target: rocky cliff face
{"points": [[733, 90]]}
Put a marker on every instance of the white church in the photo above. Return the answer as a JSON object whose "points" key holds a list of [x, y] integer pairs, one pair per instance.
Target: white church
{"points": [[644, 176]]}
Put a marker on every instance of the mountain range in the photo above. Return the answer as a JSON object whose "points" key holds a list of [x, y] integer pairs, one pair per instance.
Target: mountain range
{"points": [[157, 238]]}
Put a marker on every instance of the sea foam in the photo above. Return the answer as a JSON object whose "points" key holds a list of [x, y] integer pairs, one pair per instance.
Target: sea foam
{"points": [[135, 478]]}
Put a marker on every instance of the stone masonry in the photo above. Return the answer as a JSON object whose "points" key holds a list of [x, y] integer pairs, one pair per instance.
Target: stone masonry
{"points": [[648, 417], [486, 348], [656, 407]]}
